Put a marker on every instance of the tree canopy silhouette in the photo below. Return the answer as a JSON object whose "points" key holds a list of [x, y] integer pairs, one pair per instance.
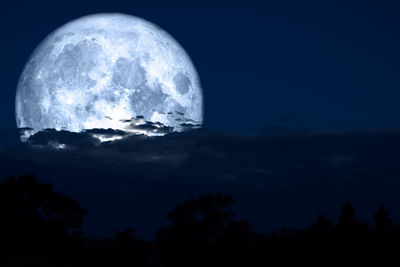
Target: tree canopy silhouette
{"points": [[36, 219], [40, 227], [195, 225]]}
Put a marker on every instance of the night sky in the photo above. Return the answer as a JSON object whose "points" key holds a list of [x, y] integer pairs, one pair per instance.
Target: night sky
{"points": [[300, 103], [307, 64]]}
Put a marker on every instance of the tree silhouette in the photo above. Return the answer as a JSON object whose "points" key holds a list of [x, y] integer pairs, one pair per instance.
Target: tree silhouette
{"points": [[203, 219], [195, 225], [383, 224], [237, 246], [35, 219], [322, 229], [349, 235], [40, 227], [347, 222]]}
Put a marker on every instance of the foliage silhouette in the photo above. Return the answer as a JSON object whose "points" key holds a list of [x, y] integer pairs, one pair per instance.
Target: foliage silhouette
{"points": [[123, 250], [39, 227], [37, 222], [383, 224], [195, 226], [188, 242]]}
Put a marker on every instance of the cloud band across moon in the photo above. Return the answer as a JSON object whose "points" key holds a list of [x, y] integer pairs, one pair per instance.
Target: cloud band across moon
{"points": [[100, 71]]}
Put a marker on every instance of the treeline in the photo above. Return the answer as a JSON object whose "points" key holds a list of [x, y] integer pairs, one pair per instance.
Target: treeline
{"points": [[39, 227]]}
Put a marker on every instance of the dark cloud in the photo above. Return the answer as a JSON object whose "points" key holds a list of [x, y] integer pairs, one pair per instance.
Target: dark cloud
{"points": [[151, 128], [137, 178], [138, 125], [52, 137]]}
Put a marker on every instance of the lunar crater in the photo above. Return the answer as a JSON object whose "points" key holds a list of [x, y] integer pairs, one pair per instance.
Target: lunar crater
{"points": [[99, 70]]}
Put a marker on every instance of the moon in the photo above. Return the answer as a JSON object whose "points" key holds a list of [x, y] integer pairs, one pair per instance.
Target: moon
{"points": [[101, 70]]}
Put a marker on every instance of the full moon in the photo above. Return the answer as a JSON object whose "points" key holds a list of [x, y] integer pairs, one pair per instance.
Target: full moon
{"points": [[102, 70]]}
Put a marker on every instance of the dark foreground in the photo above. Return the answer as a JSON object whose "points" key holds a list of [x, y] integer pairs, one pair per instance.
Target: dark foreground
{"points": [[40, 227], [281, 178]]}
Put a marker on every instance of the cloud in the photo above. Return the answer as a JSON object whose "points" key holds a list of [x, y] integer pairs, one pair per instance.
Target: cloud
{"points": [[106, 135], [134, 126], [286, 158], [294, 171], [54, 138]]}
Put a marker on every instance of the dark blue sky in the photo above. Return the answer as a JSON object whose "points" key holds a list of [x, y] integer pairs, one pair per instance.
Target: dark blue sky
{"points": [[307, 64], [302, 64]]}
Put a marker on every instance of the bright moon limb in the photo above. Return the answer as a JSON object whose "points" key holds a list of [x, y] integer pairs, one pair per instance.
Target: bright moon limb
{"points": [[101, 70]]}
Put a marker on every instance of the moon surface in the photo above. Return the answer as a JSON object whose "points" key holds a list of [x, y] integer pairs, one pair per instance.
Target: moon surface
{"points": [[101, 70]]}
